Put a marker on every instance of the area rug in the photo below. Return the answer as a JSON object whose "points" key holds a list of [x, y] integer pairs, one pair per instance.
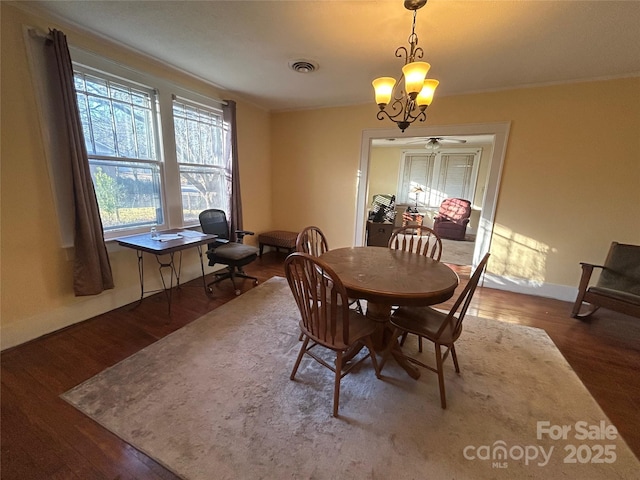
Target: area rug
{"points": [[213, 400]]}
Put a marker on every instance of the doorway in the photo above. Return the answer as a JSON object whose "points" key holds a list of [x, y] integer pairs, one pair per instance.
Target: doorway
{"points": [[498, 132]]}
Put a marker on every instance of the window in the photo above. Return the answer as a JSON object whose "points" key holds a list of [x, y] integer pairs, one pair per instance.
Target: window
{"points": [[120, 132], [426, 179], [140, 180], [205, 176], [141, 177], [417, 174]]}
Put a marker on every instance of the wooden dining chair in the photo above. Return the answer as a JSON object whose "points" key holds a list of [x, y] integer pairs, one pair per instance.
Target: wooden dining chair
{"points": [[441, 328], [311, 240], [422, 240], [326, 319]]}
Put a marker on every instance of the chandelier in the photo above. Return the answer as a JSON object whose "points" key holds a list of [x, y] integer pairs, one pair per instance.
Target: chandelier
{"points": [[407, 104]]}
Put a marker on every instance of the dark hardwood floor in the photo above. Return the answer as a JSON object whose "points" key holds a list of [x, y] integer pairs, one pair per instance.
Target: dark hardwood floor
{"points": [[45, 438]]}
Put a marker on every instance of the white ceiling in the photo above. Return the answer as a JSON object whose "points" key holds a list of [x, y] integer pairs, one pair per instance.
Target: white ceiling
{"points": [[245, 46]]}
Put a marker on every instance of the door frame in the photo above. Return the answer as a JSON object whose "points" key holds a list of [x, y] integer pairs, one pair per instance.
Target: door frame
{"points": [[500, 132]]}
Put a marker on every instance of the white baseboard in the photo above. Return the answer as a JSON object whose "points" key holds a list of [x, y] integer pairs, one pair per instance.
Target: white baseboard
{"points": [[527, 287], [84, 308]]}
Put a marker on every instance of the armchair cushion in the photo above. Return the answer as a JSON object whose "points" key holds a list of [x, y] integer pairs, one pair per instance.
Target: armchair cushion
{"points": [[617, 294], [456, 210]]}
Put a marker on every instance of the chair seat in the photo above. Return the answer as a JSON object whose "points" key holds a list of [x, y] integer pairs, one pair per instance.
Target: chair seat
{"points": [[425, 322], [616, 294], [359, 327], [235, 251]]}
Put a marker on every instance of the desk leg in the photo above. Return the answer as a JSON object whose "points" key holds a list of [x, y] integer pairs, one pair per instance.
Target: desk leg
{"points": [[172, 272], [177, 272], [380, 313], [204, 282], [140, 274]]}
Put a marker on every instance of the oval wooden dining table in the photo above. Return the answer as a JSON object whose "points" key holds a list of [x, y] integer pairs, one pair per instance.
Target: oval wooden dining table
{"points": [[385, 277]]}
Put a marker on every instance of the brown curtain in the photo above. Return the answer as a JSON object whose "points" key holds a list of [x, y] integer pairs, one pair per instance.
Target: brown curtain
{"points": [[91, 269], [229, 116]]}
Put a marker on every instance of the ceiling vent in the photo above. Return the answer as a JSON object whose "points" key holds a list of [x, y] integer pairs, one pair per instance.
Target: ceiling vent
{"points": [[303, 66]]}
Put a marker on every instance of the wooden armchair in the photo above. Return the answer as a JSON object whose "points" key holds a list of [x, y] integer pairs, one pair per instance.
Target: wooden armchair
{"points": [[618, 287]]}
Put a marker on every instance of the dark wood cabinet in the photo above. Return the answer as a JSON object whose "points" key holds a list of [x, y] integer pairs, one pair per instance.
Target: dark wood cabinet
{"points": [[378, 234]]}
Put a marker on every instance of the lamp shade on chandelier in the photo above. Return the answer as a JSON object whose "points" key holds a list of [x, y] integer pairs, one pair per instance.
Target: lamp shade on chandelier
{"points": [[406, 100]]}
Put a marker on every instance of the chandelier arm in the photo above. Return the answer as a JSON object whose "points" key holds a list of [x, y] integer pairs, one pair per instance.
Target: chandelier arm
{"points": [[402, 51], [417, 53], [402, 113], [396, 107]]}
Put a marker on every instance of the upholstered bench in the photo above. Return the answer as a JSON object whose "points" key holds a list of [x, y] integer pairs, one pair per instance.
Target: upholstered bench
{"points": [[278, 239]]}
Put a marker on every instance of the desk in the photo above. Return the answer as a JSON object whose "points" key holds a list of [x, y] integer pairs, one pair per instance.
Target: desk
{"points": [[386, 277], [144, 243]]}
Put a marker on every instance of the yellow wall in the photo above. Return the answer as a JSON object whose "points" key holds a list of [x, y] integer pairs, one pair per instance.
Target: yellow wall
{"points": [[384, 169], [36, 285], [570, 183]]}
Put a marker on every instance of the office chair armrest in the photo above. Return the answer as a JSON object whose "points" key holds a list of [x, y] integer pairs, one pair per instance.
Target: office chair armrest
{"points": [[218, 242], [242, 233]]}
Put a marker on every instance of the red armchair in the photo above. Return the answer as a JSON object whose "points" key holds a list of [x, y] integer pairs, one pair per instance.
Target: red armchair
{"points": [[452, 218]]}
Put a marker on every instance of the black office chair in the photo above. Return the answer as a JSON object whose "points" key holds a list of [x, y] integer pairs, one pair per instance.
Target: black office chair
{"points": [[234, 255]]}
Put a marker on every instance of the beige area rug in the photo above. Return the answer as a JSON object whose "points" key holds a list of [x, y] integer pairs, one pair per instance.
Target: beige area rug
{"points": [[213, 400], [457, 252]]}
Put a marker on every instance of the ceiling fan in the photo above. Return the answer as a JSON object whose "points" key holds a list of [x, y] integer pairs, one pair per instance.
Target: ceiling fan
{"points": [[434, 143]]}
